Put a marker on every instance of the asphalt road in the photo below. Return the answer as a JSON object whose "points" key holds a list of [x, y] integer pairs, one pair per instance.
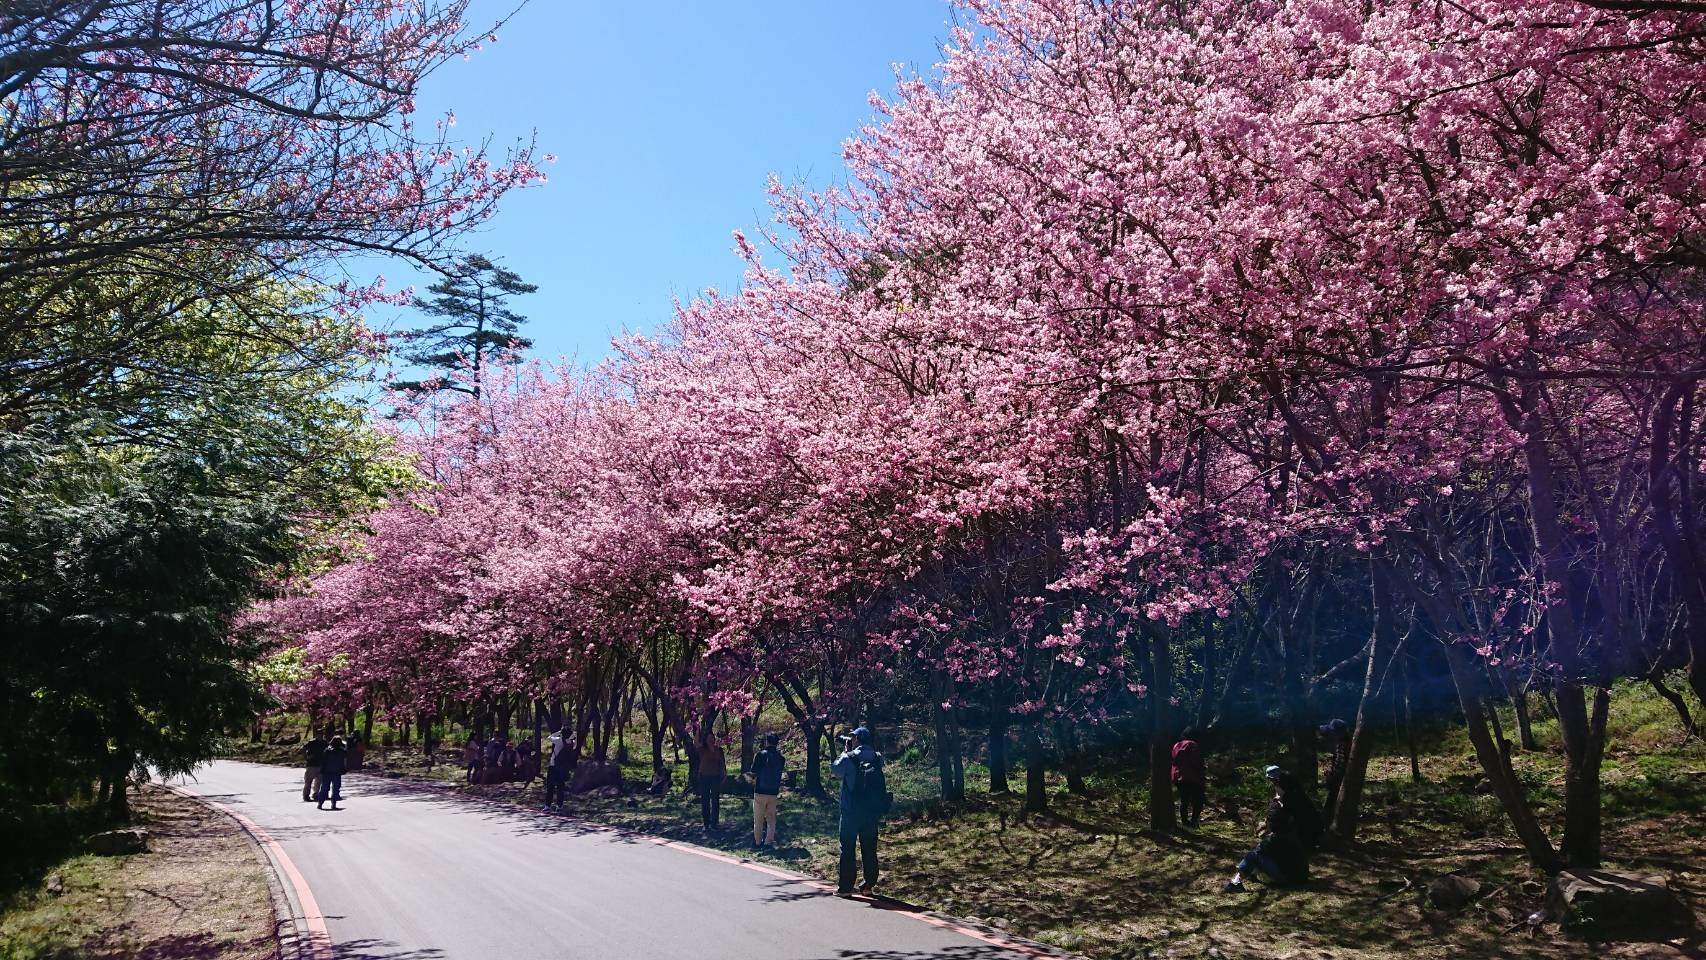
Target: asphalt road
{"points": [[408, 872]]}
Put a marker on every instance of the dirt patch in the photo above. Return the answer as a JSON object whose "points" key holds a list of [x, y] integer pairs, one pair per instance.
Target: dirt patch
{"points": [[201, 891]]}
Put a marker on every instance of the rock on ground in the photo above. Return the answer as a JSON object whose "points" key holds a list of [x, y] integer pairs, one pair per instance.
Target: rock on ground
{"points": [[116, 843], [1605, 904]]}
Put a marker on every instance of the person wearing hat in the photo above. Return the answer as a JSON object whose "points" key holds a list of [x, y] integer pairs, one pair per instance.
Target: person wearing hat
{"points": [[766, 786], [864, 800], [1336, 736], [1287, 837]]}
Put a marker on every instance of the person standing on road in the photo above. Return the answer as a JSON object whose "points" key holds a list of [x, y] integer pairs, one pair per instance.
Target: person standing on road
{"points": [[1190, 777], [332, 774], [865, 799], [766, 786], [313, 750], [713, 769], [558, 767]]}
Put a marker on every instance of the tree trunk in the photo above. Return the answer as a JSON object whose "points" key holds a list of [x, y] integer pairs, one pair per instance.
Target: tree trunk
{"points": [[1162, 815], [1524, 724], [1470, 680], [1410, 723], [1071, 758], [1036, 786], [998, 745], [814, 757], [1382, 644], [948, 771]]}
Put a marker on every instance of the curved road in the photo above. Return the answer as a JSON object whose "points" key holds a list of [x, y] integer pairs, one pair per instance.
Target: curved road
{"points": [[411, 872]]}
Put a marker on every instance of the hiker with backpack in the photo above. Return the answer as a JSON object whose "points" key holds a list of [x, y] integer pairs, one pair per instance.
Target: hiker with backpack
{"points": [[1189, 777], [865, 799], [1287, 838]]}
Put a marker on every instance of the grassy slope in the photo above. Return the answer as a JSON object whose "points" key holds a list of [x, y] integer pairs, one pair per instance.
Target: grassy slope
{"points": [[1087, 877], [200, 891]]}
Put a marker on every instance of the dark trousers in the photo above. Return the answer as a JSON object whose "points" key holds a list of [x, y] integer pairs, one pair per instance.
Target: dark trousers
{"points": [[711, 801], [332, 785], [556, 784], [863, 832], [1334, 781], [1191, 797]]}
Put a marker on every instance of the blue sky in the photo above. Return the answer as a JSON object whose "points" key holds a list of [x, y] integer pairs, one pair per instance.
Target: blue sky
{"points": [[666, 119]]}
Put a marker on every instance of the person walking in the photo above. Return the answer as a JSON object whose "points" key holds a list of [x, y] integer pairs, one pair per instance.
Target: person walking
{"points": [[471, 754], [1336, 735], [766, 772], [1287, 838], [332, 774], [313, 750], [558, 767], [1189, 777], [865, 799], [713, 768]]}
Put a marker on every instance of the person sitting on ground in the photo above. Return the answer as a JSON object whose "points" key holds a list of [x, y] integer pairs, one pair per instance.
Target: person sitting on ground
{"points": [[1189, 777], [313, 750], [332, 774], [1336, 737], [357, 750], [1286, 839], [713, 769], [506, 762], [527, 761], [865, 800], [766, 772], [489, 760]]}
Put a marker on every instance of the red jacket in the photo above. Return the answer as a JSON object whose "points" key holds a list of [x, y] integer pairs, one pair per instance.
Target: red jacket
{"points": [[1187, 762]]}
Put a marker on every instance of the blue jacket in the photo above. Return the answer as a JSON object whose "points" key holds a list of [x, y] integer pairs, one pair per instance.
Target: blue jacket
{"points": [[847, 767]]}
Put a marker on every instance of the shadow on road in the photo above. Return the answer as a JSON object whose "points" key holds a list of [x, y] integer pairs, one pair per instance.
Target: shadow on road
{"points": [[381, 950], [974, 951]]}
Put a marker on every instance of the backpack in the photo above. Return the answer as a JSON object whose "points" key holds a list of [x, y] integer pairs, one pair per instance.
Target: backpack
{"points": [[871, 786]]}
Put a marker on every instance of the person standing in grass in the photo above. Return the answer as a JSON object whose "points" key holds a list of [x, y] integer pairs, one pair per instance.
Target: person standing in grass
{"points": [[332, 774], [713, 769], [766, 787], [1286, 839], [865, 799], [313, 750], [1190, 777]]}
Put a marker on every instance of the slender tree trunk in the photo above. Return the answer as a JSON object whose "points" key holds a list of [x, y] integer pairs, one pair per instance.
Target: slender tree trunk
{"points": [[1162, 815], [1410, 723], [1383, 643], [1071, 757], [947, 738], [1524, 724], [998, 745], [1470, 681]]}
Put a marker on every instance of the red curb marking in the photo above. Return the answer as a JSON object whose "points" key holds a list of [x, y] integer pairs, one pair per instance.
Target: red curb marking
{"points": [[319, 940]]}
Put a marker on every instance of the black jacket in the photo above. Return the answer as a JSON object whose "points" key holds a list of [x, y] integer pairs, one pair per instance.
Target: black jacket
{"points": [[767, 772], [332, 761], [314, 749]]}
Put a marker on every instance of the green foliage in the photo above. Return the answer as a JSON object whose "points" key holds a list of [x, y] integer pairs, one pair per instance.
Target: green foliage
{"points": [[132, 538], [471, 304]]}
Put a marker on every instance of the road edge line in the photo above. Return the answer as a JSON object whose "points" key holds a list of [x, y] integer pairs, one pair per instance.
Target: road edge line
{"points": [[317, 945]]}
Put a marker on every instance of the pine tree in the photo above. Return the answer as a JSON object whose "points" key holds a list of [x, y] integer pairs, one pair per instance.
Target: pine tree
{"points": [[475, 321]]}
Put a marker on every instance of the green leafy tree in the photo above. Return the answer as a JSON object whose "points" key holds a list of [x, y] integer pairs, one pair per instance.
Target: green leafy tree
{"points": [[471, 305]]}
